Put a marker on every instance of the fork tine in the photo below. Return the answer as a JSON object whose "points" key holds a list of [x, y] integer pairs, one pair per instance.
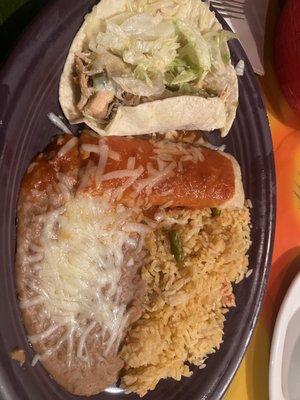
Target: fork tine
{"points": [[227, 5], [229, 11], [226, 15], [237, 2], [229, 14]]}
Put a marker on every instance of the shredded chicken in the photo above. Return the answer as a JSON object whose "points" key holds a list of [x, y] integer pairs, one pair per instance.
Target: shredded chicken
{"points": [[83, 80], [130, 99], [112, 109], [98, 105], [113, 65]]}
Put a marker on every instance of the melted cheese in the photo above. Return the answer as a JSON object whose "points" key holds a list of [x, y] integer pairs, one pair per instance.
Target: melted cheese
{"points": [[77, 279]]}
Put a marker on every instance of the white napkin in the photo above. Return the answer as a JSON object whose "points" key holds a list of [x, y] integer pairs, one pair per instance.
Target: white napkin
{"points": [[251, 31]]}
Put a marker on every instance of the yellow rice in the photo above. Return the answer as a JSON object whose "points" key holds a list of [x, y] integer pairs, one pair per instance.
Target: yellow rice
{"points": [[185, 304]]}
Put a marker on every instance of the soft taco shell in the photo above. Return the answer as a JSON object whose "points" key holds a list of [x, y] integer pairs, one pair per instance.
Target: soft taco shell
{"points": [[196, 113], [183, 113]]}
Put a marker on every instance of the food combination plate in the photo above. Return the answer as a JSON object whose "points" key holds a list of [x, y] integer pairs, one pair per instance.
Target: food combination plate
{"points": [[134, 248]]}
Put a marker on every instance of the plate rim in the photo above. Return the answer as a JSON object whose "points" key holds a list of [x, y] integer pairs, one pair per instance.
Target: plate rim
{"points": [[234, 363]]}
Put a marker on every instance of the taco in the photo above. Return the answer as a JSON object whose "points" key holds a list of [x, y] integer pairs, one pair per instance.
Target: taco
{"points": [[131, 60]]}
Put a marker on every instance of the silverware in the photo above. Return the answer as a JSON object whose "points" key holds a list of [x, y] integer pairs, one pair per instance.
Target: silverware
{"points": [[230, 8], [247, 18]]}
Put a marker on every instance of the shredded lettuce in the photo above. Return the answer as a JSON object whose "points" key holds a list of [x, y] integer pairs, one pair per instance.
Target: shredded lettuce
{"points": [[159, 45], [195, 12], [194, 47], [102, 82], [217, 42], [140, 88], [184, 77]]}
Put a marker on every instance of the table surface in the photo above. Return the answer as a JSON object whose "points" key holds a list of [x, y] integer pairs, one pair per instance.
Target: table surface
{"points": [[251, 380]]}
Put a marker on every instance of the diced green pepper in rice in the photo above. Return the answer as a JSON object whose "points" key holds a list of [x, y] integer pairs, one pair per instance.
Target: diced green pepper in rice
{"points": [[176, 245], [215, 212]]}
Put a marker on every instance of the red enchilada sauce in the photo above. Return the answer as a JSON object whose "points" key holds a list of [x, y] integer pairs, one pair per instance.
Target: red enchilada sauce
{"points": [[208, 181]]}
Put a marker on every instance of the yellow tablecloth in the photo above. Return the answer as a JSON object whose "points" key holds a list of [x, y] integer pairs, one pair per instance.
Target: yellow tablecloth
{"points": [[251, 380]]}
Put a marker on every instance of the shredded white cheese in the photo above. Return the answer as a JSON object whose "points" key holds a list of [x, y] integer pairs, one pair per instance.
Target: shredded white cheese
{"points": [[114, 155], [131, 163], [155, 178], [240, 68], [82, 246], [90, 148], [58, 122], [119, 174], [67, 147], [103, 157]]}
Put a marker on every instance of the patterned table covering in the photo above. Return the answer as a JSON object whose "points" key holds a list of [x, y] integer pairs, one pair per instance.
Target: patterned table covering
{"points": [[251, 380]]}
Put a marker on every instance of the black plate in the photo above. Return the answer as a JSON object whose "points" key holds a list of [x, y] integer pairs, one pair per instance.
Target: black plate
{"points": [[29, 89]]}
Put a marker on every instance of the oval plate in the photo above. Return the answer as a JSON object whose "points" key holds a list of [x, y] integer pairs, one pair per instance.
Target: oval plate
{"points": [[29, 90]]}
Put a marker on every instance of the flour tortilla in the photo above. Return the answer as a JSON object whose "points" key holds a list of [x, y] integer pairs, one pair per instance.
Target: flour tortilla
{"points": [[238, 199], [196, 114], [183, 113]]}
